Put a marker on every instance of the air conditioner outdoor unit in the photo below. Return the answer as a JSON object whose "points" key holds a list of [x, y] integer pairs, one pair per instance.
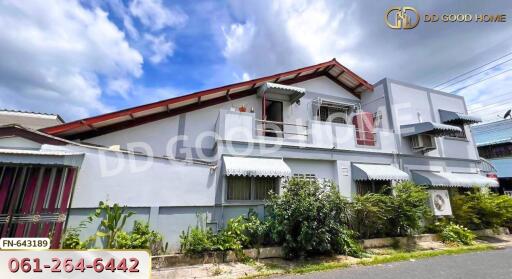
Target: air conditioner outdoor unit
{"points": [[423, 142]]}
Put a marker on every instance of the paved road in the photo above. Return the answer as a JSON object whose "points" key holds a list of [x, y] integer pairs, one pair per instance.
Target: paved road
{"points": [[482, 265]]}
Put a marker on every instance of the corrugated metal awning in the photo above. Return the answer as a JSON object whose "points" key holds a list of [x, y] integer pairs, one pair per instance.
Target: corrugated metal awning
{"points": [[41, 157], [429, 128], [291, 93], [457, 117], [451, 179], [377, 172], [244, 166]]}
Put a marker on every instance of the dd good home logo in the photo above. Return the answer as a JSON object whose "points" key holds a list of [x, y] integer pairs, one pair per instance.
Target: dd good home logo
{"points": [[402, 17]]}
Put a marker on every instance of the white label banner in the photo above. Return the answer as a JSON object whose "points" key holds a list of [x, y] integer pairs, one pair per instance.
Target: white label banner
{"points": [[80, 264]]}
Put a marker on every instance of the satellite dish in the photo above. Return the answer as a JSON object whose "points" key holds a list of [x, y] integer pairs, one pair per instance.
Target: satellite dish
{"points": [[507, 114]]}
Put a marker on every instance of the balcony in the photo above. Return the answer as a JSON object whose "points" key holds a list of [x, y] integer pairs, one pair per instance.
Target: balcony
{"points": [[245, 127]]}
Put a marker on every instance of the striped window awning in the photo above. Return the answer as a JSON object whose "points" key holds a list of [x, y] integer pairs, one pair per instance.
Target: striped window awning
{"points": [[428, 128], [451, 179], [245, 166], [452, 117], [377, 172]]}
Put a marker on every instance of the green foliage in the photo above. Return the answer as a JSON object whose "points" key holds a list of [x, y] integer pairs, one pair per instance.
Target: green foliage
{"points": [[410, 207], [72, 240], [241, 232], [311, 218], [482, 210], [197, 240], [141, 237], [371, 215], [111, 229], [382, 215], [457, 234], [114, 219]]}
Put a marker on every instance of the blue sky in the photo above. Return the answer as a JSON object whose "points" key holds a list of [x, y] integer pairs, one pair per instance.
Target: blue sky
{"points": [[83, 58]]}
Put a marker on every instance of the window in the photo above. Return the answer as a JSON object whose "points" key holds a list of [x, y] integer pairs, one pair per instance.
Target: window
{"points": [[459, 135], [334, 114], [374, 186], [243, 188], [263, 186], [495, 151], [239, 188], [305, 176]]}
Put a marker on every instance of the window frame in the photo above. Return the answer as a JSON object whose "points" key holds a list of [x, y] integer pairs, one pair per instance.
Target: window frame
{"points": [[252, 199], [331, 110]]}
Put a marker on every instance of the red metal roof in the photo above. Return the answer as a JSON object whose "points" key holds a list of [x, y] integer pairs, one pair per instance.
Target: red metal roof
{"points": [[106, 123]]}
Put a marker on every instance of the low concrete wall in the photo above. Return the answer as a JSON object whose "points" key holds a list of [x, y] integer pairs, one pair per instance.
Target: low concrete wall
{"points": [[175, 260], [398, 241]]}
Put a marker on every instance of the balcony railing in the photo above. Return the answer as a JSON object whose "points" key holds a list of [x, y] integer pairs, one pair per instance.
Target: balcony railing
{"points": [[281, 129], [244, 127]]}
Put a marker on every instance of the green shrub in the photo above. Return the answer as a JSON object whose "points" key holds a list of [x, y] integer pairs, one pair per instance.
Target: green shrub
{"points": [[197, 240], [481, 210], [311, 218], [457, 234], [241, 232], [382, 215], [410, 208], [72, 240], [371, 215], [141, 237]]}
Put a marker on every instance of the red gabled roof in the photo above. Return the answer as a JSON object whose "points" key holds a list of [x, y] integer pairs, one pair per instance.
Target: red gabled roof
{"points": [[118, 120]]}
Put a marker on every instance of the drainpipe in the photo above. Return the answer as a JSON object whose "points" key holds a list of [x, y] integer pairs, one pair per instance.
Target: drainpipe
{"points": [[263, 112]]}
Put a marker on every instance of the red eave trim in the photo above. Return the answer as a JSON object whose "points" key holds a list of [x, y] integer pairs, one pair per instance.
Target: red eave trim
{"points": [[88, 122]]}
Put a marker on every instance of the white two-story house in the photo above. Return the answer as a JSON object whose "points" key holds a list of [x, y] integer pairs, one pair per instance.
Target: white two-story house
{"points": [[218, 152]]}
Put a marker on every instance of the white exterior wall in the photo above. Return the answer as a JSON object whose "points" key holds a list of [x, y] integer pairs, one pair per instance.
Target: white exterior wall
{"points": [[141, 182]]}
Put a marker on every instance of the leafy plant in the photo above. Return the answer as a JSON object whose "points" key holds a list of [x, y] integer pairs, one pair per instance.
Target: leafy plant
{"points": [[409, 207], [457, 234], [311, 218], [371, 215], [383, 215], [72, 240], [113, 222], [197, 240], [141, 237], [241, 232], [482, 210]]}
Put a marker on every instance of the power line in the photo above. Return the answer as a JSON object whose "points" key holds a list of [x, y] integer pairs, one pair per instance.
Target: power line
{"points": [[488, 107], [482, 80], [476, 74], [509, 98], [479, 67]]}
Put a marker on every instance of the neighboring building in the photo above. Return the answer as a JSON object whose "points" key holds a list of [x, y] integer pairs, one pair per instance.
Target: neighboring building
{"points": [[217, 152], [494, 141], [32, 120]]}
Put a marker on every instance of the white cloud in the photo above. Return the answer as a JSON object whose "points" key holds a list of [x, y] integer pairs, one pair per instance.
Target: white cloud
{"points": [[280, 35], [155, 16], [55, 54], [160, 48], [264, 37], [121, 86]]}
